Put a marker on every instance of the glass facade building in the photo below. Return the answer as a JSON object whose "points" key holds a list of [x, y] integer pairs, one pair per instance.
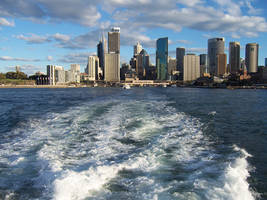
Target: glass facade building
{"points": [[162, 58]]}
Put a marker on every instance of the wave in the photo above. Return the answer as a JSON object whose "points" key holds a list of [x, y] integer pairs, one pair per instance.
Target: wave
{"points": [[134, 149]]}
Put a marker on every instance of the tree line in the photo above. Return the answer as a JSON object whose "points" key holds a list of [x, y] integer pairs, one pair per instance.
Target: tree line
{"points": [[14, 75]]}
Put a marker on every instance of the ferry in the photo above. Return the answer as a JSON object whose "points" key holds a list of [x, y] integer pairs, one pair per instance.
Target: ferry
{"points": [[127, 87]]}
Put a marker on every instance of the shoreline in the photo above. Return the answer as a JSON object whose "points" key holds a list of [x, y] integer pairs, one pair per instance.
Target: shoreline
{"points": [[107, 86]]}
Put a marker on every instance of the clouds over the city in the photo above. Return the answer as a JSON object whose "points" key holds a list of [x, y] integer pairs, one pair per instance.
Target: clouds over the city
{"points": [[5, 22], [230, 17], [8, 58]]}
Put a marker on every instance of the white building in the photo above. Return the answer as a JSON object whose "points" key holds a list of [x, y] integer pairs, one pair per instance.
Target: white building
{"points": [[75, 69], [191, 69], [93, 68], [112, 67]]}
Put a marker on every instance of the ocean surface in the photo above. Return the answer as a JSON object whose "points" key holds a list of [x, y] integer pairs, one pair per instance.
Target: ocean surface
{"points": [[143, 143]]}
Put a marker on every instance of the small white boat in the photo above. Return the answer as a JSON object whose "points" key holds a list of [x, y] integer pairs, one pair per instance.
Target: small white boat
{"points": [[127, 87]]}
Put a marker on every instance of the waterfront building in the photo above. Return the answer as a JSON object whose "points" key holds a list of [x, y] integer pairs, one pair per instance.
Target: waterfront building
{"points": [[180, 53], [221, 64], [234, 57], [93, 68], [162, 58], [51, 74], [114, 40], [171, 65], [125, 68], [112, 67], [191, 69], [215, 47], [203, 64], [69, 76], [59, 75], [55, 74], [101, 50], [137, 48], [252, 56], [75, 69], [142, 64]]}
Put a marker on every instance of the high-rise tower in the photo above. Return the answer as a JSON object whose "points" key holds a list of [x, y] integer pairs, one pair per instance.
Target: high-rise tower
{"points": [[234, 57], [215, 47], [252, 56], [162, 58], [114, 40], [180, 53]]}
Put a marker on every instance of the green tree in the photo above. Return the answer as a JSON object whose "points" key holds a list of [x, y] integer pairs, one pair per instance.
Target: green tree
{"points": [[2, 76]]}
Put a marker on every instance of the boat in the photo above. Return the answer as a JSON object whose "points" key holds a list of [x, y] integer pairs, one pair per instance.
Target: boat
{"points": [[127, 87]]}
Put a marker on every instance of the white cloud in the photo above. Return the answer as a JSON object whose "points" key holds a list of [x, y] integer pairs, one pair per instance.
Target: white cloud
{"points": [[33, 38], [61, 37], [78, 58], [49, 58], [4, 22], [8, 58]]}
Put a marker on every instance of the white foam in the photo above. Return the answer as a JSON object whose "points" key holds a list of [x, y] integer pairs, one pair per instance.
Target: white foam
{"points": [[212, 113]]}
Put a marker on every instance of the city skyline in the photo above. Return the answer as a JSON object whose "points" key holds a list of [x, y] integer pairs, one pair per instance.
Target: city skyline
{"points": [[43, 33]]}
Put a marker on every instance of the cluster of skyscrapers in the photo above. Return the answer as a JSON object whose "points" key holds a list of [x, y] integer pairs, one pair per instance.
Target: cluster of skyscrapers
{"points": [[106, 65], [185, 67]]}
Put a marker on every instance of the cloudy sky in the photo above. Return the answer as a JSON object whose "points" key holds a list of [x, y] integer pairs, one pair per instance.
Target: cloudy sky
{"points": [[34, 33]]}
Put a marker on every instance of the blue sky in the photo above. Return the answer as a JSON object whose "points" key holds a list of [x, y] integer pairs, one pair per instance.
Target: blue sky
{"points": [[35, 33]]}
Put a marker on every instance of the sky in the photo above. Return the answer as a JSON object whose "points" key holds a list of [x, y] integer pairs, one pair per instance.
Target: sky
{"points": [[36, 33]]}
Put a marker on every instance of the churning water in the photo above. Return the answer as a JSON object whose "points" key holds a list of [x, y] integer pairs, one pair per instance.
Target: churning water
{"points": [[144, 143]]}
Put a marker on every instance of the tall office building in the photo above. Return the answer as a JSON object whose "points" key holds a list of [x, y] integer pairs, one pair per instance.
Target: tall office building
{"points": [[114, 40], [112, 67], [51, 74], [171, 65], [265, 62], [252, 56], [215, 47], [180, 53], [93, 68], [56, 74], [191, 69], [203, 64], [221, 64], [162, 58], [75, 69], [234, 57], [137, 48], [101, 50], [142, 63]]}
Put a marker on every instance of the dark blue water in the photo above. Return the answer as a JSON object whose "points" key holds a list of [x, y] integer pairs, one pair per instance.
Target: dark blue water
{"points": [[143, 143]]}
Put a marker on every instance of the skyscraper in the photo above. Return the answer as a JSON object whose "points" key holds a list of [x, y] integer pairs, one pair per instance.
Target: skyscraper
{"points": [[221, 63], [171, 65], [112, 67], [112, 58], [203, 64], [75, 69], [93, 65], [142, 63], [162, 58], [252, 56], [191, 69], [265, 62], [114, 40], [101, 50], [137, 48], [215, 47], [180, 53], [51, 74], [234, 57]]}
